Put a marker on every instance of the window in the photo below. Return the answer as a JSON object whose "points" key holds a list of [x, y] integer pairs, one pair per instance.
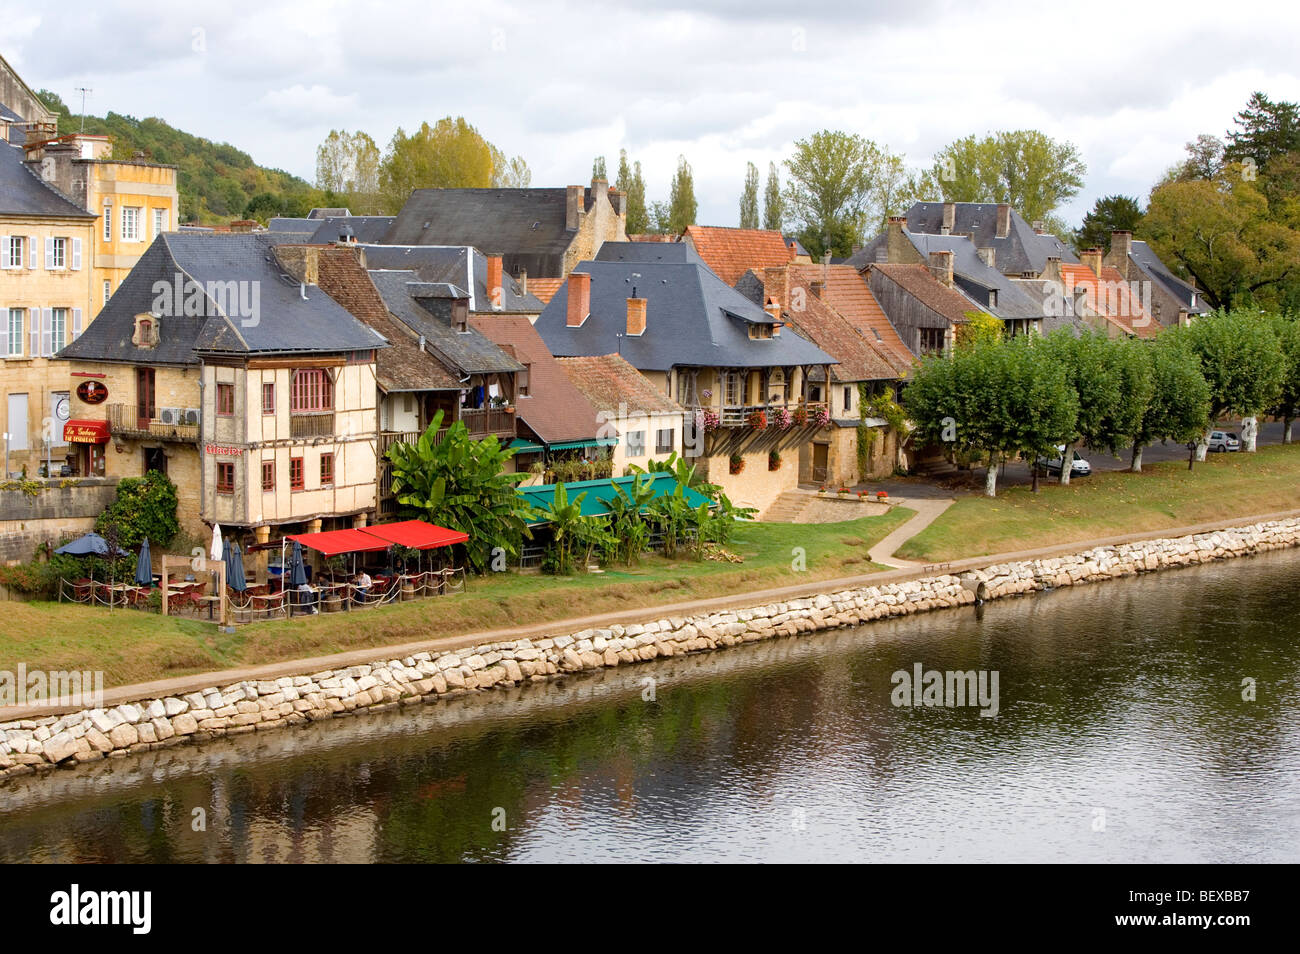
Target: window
{"points": [[159, 222], [225, 478], [636, 443], [58, 249], [108, 221], [460, 314], [225, 400], [760, 331], [268, 397], [295, 473], [58, 330], [312, 391], [11, 255], [664, 440], [268, 476], [326, 470], [932, 339], [522, 381], [14, 323], [130, 223], [732, 394], [108, 290], [848, 399]]}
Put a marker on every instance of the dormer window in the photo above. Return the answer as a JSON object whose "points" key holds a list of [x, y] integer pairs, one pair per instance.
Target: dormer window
{"points": [[760, 331], [993, 298], [460, 315], [145, 334]]}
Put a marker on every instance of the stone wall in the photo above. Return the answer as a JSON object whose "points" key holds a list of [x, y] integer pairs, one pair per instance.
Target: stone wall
{"points": [[52, 513], [32, 745]]}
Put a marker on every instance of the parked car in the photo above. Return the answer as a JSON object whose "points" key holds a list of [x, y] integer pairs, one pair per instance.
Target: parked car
{"points": [[1078, 467], [1224, 441]]}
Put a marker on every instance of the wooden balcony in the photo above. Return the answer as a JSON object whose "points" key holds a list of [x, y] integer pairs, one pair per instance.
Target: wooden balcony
{"points": [[737, 415], [164, 424], [311, 425], [484, 421]]}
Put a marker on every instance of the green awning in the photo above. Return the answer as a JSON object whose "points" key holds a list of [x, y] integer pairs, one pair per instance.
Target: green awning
{"points": [[600, 492], [521, 446], [598, 442]]}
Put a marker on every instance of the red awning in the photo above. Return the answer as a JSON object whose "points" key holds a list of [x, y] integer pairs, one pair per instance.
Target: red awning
{"points": [[416, 534], [86, 432], [333, 542]]}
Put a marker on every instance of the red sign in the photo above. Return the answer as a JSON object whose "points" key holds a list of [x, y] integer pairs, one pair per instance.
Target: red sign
{"points": [[92, 392], [86, 432], [220, 451]]}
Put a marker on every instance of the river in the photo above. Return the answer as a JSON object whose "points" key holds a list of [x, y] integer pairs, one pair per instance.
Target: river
{"points": [[1121, 735]]}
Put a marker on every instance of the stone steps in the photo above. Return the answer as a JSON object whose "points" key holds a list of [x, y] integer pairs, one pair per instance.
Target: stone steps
{"points": [[788, 507]]}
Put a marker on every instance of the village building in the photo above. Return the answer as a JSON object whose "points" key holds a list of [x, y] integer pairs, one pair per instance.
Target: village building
{"points": [[1171, 300]]}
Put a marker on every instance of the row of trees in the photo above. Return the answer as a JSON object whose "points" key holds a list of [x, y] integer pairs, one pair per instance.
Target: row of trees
{"points": [[997, 398]]}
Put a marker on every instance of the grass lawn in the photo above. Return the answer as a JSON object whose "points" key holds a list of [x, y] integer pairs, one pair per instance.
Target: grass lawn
{"points": [[1112, 503], [131, 646]]}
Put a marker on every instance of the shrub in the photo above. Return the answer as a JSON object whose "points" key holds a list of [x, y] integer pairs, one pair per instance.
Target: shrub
{"points": [[737, 463], [145, 507], [774, 460]]}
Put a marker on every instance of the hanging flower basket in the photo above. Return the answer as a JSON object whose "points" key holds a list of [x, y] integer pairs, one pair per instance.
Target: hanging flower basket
{"points": [[737, 463], [780, 418], [821, 417], [773, 460], [757, 420], [706, 420], [800, 416]]}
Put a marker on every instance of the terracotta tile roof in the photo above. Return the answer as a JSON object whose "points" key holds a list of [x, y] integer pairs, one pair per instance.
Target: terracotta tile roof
{"points": [[607, 381], [846, 291], [919, 282], [402, 366], [732, 252], [555, 411], [544, 289], [1111, 297]]}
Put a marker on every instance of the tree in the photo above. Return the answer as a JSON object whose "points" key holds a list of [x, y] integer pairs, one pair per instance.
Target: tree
{"points": [[144, 507], [572, 532], [979, 328], [1222, 234], [893, 191], [1179, 407], [630, 183], [1243, 365], [1108, 214], [1287, 330], [993, 401], [773, 201], [1265, 129], [598, 168], [681, 199], [462, 483], [659, 219], [831, 176], [749, 198], [512, 174], [1204, 159], [451, 154], [1091, 371], [347, 163], [1026, 168]]}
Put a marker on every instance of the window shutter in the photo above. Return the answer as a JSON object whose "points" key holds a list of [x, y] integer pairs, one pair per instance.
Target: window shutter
{"points": [[49, 252], [4, 333], [31, 254], [76, 254], [34, 332], [4, 252], [47, 332], [76, 324]]}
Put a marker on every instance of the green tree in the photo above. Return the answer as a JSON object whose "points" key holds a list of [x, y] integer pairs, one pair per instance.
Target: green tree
{"points": [[512, 174], [1108, 214], [1091, 370], [598, 168], [1243, 364], [462, 483], [681, 199], [1204, 159], [749, 198], [1026, 168], [831, 177], [347, 163], [450, 154], [1179, 407], [631, 184], [1265, 129], [574, 537], [979, 328], [145, 507], [1287, 407], [773, 201]]}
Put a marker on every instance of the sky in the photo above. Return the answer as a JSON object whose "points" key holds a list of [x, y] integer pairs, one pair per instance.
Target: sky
{"points": [[721, 82]]}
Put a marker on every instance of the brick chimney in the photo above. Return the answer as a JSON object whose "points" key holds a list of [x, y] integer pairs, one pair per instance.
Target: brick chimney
{"points": [[1004, 220], [1121, 247], [1092, 258], [578, 306], [574, 209], [949, 218], [495, 288], [900, 248], [988, 255], [941, 266], [636, 316], [817, 286]]}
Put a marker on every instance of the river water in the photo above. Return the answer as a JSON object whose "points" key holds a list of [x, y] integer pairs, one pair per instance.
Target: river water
{"points": [[1121, 735]]}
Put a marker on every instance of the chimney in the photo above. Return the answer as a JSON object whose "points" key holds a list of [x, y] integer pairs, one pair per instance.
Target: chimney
{"points": [[817, 286], [1004, 220], [599, 191], [495, 289], [776, 288], [1121, 247], [636, 316], [900, 248], [1052, 269], [988, 255], [523, 281], [619, 199], [949, 218], [574, 209], [578, 306], [1092, 258], [941, 266], [1038, 227], [301, 262]]}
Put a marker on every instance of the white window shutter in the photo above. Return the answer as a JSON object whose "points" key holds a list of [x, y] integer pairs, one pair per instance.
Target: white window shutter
{"points": [[4, 333], [31, 251], [47, 332], [76, 254], [76, 324], [34, 332], [49, 252], [4, 252]]}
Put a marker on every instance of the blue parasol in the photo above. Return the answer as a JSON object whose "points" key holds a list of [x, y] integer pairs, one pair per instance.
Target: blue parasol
{"points": [[144, 566], [92, 544], [235, 569]]}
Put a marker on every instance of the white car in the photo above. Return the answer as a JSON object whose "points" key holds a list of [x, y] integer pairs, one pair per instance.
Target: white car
{"points": [[1078, 467], [1222, 441]]}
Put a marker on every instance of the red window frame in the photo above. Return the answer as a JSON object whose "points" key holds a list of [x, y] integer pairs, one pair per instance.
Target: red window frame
{"points": [[312, 392], [268, 397], [295, 473], [225, 478], [225, 400], [326, 470], [268, 476]]}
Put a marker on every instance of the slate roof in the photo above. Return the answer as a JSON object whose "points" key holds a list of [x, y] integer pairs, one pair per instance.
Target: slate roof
{"points": [[732, 252], [693, 318], [450, 264], [920, 283], [1021, 250], [1111, 297], [1151, 266], [668, 253], [555, 410], [22, 192], [468, 351], [351, 228], [607, 381], [526, 226], [285, 323]]}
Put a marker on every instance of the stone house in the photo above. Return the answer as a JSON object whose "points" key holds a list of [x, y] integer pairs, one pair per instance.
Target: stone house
{"points": [[1170, 299]]}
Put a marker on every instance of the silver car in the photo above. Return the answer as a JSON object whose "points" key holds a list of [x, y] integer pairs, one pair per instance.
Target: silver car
{"points": [[1224, 441]]}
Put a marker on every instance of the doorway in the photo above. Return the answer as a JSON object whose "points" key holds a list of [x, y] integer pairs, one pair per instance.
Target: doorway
{"points": [[155, 459], [821, 453]]}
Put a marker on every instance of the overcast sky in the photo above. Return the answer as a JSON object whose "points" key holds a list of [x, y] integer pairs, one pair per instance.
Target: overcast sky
{"points": [[719, 81]]}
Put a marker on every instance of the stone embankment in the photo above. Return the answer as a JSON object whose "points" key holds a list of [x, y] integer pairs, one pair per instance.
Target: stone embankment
{"points": [[34, 745]]}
